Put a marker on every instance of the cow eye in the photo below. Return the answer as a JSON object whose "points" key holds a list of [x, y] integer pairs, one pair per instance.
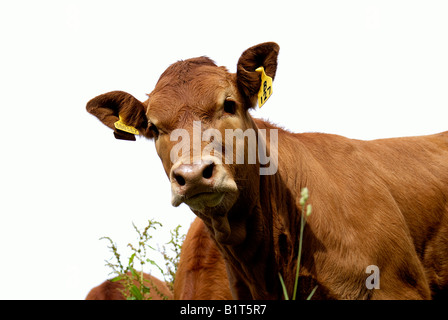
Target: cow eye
{"points": [[229, 106], [154, 130]]}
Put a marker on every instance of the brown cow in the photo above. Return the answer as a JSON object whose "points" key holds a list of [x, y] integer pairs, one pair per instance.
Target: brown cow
{"points": [[201, 273], [109, 290], [381, 203]]}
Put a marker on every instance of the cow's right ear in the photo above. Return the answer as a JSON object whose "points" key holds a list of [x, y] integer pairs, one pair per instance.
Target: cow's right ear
{"points": [[112, 106], [248, 80]]}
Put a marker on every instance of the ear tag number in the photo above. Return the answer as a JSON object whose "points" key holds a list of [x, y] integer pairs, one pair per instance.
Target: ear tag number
{"points": [[266, 87], [120, 125]]}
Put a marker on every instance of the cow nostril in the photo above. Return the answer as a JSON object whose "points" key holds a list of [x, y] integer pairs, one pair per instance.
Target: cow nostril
{"points": [[208, 171], [180, 180], [187, 174]]}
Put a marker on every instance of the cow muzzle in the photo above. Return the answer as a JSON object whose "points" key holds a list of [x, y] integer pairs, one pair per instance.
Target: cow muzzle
{"points": [[201, 184]]}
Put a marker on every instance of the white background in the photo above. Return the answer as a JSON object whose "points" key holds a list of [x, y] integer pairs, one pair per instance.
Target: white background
{"points": [[363, 69]]}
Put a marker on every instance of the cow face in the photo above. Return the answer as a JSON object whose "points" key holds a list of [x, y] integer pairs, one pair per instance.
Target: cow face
{"points": [[198, 117], [201, 98]]}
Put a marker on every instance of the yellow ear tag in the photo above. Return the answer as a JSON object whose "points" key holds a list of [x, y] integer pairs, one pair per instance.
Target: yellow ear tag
{"points": [[120, 125], [266, 87]]}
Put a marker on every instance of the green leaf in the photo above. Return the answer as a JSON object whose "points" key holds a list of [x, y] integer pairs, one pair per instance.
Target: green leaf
{"points": [[136, 293], [134, 273], [117, 278], [312, 293], [145, 289], [285, 292], [154, 264], [131, 260]]}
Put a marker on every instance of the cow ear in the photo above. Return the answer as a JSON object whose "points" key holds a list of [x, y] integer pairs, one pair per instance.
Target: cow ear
{"points": [[248, 80], [118, 105]]}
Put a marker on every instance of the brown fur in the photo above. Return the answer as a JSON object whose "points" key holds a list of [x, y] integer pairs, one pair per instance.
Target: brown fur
{"points": [[201, 274], [381, 202], [109, 290]]}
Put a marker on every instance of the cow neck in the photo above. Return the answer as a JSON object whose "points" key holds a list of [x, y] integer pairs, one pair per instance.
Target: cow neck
{"points": [[279, 195], [254, 258], [272, 214]]}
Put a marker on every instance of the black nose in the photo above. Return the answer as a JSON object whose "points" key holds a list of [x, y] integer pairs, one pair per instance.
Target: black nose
{"points": [[190, 174]]}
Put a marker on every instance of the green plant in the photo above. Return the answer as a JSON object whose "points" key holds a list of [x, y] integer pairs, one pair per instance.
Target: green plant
{"points": [[136, 286], [306, 212], [172, 261]]}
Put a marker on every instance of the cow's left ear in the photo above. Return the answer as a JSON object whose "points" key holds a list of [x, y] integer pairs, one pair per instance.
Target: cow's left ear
{"points": [[124, 108], [248, 80]]}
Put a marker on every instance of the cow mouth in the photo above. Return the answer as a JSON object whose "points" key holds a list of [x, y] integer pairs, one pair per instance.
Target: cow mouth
{"points": [[204, 199], [199, 200]]}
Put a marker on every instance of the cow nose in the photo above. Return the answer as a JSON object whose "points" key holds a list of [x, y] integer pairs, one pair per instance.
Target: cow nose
{"points": [[187, 174]]}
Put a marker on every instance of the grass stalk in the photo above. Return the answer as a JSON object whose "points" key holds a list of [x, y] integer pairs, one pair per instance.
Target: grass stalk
{"points": [[306, 211]]}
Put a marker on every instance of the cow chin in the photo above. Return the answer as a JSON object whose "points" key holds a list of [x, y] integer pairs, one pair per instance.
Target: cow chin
{"points": [[212, 208]]}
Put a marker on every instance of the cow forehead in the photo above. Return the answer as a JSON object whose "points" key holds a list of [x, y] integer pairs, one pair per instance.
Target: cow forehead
{"points": [[196, 94]]}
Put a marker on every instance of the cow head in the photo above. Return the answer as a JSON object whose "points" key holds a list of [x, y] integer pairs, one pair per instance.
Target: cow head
{"points": [[191, 113]]}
